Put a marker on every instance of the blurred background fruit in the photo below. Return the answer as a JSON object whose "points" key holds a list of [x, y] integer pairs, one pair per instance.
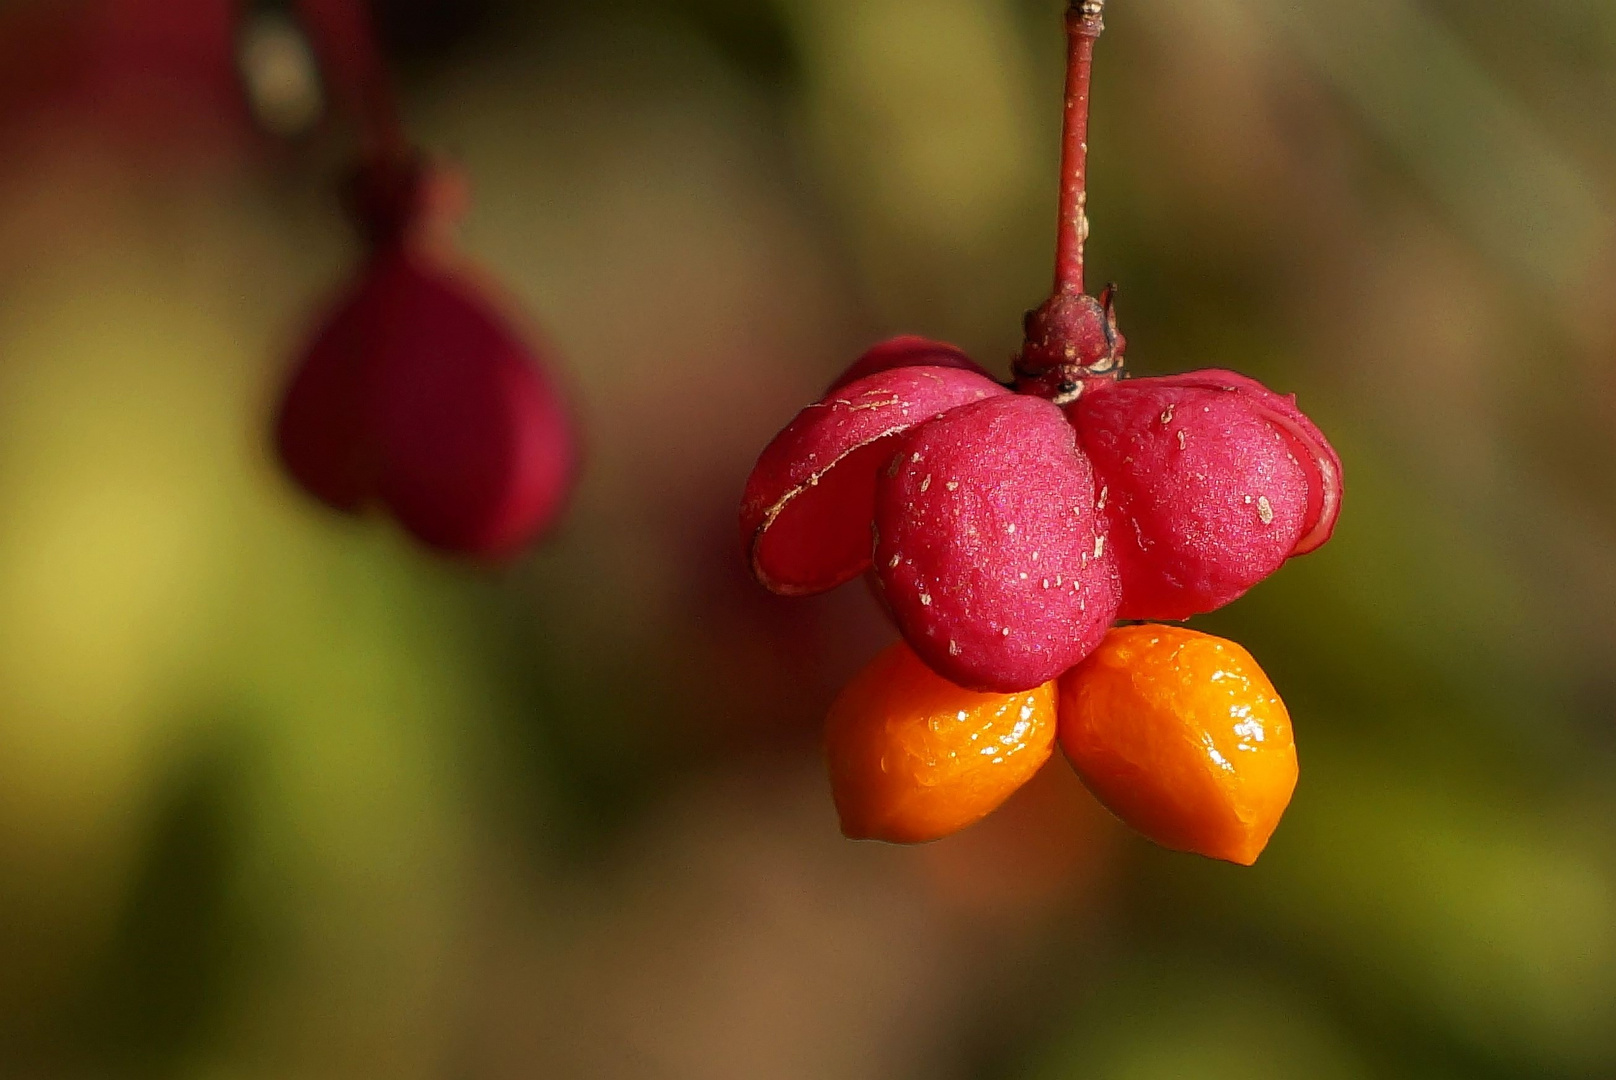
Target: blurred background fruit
{"points": [[281, 795]]}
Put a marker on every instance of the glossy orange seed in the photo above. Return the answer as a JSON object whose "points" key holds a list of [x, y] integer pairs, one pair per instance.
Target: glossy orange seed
{"points": [[915, 758], [1183, 737]]}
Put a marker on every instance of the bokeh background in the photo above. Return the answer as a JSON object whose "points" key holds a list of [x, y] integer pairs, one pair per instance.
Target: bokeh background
{"points": [[283, 796]]}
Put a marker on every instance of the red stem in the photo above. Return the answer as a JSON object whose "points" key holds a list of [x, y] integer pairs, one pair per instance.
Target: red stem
{"points": [[1084, 24], [345, 35]]}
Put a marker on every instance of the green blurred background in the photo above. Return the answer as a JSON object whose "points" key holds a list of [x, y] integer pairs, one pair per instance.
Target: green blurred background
{"points": [[283, 796]]}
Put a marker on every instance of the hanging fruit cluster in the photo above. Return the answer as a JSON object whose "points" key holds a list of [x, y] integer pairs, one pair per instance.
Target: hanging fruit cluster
{"points": [[417, 394], [1013, 525]]}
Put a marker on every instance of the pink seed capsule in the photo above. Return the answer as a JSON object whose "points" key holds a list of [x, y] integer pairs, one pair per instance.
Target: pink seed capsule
{"points": [[476, 450], [805, 516], [1211, 482], [418, 396], [990, 549], [1307, 442]]}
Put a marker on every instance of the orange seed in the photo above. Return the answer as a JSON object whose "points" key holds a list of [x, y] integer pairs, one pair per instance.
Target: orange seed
{"points": [[915, 758], [1183, 737]]}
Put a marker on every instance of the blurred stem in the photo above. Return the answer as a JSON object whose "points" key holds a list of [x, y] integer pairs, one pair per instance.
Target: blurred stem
{"points": [[345, 36], [1084, 24]]}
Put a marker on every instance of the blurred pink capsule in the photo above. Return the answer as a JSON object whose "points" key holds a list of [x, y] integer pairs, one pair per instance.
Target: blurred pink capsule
{"points": [[418, 396]]}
